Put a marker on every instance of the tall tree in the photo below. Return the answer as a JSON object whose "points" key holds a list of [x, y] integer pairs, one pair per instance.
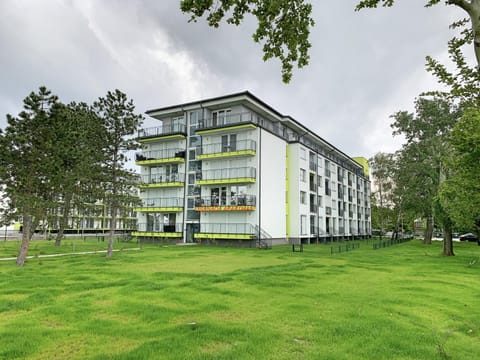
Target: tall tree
{"points": [[460, 193], [28, 163], [120, 125], [78, 146], [421, 158], [382, 168]]}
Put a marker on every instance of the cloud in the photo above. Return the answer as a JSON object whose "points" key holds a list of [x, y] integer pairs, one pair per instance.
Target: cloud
{"points": [[364, 65]]}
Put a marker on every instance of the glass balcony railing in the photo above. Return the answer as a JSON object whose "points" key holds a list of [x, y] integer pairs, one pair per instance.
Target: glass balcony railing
{"points": [[222, 228], [160, 228], [162, 178], [235, 200], [229, 119], [162, 130], [160, 154], [162, 202], [229, 173], [217, 148]]}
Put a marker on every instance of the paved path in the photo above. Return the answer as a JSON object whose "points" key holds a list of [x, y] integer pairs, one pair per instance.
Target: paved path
{"points": [[65, 254]]}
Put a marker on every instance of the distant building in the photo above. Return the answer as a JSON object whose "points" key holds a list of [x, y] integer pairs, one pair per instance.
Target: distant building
{"points": [[233, 170]]}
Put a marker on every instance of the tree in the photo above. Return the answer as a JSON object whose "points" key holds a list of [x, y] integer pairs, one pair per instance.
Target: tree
{"points": [[420, 161], [120, 123], [471, 7], [382, 167], [460, 193], [283, 26], [78, 146], [28, 162]]}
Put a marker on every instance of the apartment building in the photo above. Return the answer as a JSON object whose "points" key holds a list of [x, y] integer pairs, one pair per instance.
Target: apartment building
{"points": [[233, 170]]}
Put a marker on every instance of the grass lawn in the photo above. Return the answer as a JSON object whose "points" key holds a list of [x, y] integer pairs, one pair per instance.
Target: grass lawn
{"points": [[178, 302]]}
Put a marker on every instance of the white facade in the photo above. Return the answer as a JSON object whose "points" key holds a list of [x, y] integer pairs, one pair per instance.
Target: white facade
{"points": [[233, 170]]}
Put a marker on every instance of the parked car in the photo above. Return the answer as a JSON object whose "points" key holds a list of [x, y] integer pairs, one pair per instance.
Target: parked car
{"points": [[468, 237]]}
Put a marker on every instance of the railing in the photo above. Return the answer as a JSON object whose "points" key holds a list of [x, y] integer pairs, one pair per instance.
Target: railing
{"points": [[162, 178], [220, 147], [229, 119], [313, 208], [162, 130], [162, 202], [229, 173], [160, 154], [157, 227], [313, 186], [313, 166], [327, 173], [222, 228], [235, 200]]}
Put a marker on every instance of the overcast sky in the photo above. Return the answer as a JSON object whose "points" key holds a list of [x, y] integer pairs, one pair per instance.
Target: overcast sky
{"points": [[364, 65]]}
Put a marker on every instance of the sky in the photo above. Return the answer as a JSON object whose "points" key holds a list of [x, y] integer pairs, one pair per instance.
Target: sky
{"points": [[364, 65]]}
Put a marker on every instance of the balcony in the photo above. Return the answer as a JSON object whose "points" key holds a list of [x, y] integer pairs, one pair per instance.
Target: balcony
{"points": [[166, 156], [229, 203], [161, 205], [159, 230], [228, 176], [170, 130], [228, 121], [221, 150], [238, 231], [162, 180]]}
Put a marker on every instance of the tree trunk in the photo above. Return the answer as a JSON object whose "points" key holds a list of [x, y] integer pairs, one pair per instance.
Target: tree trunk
{"points": [[474, 13], [447, 240], [427, 240], [113, 223], [26, 236], [63, 220]]}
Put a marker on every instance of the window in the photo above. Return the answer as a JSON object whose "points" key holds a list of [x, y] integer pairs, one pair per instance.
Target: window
{"points": [[319, 181], [303, 224], [229, 144], [320, 201], [303, 175], [303, 154], [220, 117], [303, 197], [327, 187]]}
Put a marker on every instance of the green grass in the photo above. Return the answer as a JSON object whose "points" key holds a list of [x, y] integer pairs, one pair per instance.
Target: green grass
{"points": [[168, 302], [68, 245]]}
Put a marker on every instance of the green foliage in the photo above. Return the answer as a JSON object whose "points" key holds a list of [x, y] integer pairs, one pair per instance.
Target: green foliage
{"points": [[460, 193], [421, 160], [28, 161], [120, 124], [383, 202], [283, 26], [229, 303]]}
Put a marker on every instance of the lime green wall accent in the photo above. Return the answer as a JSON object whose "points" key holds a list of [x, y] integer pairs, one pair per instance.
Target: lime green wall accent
{"points": [[244, 126], [226, 154], [157, 185], [177, 136], [287, 187], [226, 181], [160, 161], [364, 162], [224, 236], [157, 234], [158, 209]]}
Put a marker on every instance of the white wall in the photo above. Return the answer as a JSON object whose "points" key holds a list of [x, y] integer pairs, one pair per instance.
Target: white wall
{"points": [[273, 180]]}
